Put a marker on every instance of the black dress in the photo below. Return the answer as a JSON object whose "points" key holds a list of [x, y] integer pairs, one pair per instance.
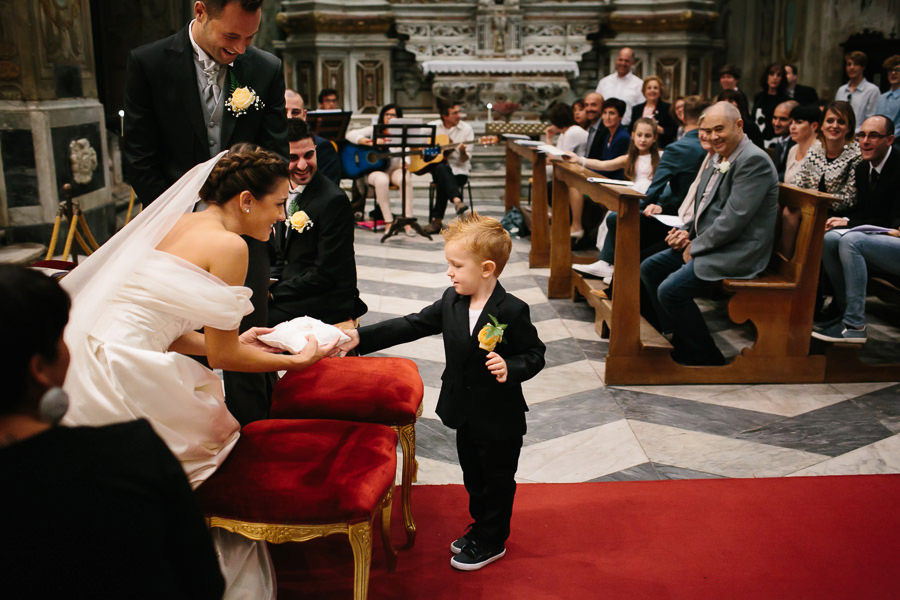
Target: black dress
{"points": [[102, 512]]}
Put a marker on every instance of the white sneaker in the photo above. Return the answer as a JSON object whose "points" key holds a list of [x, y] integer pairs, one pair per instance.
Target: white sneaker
{"points": [[600, 269]]}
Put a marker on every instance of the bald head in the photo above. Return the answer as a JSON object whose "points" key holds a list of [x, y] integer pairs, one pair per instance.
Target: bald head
{"points": [[624, 61], [593, 103], [294, 105], [722, 123], [781, 118]]}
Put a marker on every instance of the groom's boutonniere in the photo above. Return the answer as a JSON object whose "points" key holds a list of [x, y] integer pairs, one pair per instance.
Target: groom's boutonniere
{"points": [[490, 335], [300, 221], [723, 167], [242, 99]]}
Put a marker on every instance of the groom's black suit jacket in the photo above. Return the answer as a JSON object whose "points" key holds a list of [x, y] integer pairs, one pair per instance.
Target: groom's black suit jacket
{"points": [[470, 395], [316, 269], [165, 134]]}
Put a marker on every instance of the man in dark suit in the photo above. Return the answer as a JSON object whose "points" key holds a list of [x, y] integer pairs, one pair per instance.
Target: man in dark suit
{"points": [[803, 94], [187, 97], [848, 256], [781, 143], [731, 236], [328, 163], [313, 264]]}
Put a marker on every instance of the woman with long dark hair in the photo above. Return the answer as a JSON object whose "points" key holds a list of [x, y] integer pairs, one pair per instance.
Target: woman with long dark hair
{"points": [[773, 92]]}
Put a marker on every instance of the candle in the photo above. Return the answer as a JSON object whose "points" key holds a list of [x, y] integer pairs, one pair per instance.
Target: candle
{"points": [[121, 122], [490, 107]]}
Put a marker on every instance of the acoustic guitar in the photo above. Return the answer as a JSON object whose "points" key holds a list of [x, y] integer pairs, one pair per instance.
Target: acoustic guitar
{"points": [[420, 159], [358, 160]]}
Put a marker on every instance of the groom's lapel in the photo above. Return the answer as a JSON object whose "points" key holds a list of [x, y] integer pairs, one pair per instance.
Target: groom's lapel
{"points": [[181, 61]]}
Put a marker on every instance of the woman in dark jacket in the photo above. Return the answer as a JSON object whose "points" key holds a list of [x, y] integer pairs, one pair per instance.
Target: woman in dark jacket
{"points": [[657, 109], [773, 92]]}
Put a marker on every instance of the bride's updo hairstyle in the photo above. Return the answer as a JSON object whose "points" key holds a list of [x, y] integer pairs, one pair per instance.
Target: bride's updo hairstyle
{"points": [[245, 167]]}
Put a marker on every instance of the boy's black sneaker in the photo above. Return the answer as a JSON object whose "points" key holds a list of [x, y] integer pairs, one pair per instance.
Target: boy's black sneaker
{"points": [[457, 545], [474, 557]]}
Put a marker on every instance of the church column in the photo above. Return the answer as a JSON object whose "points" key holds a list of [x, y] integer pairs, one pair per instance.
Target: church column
{"points": [[52, 129], [333, 45]]}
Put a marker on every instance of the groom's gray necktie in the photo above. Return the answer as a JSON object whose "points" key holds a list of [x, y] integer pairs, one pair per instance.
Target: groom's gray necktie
{"points": [[212, 91]]}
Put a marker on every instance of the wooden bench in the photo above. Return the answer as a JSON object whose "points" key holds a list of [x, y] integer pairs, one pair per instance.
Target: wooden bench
{"points": [[779, 303], [539, 256]]}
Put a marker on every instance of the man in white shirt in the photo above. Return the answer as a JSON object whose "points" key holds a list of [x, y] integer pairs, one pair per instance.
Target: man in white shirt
{"points": [[623, 84], [451, 174], [860, 93]]}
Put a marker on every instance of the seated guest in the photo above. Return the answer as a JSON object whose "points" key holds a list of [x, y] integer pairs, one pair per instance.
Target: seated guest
{"points": [[639, 164], [731, 236], [615, 140], [847, 256], [677, 114], [328, 99], [830, 164], [451, 174], [781, 142], [578, 111], [729, 78], [889, 102], [657, 109], [564, 133], [382, 180], [94, 512], [329, 162], [804, 127], [593, 107], [313, 265], [858, 91], [772, 84], [803, 94], [670, 182], [740, 101]]}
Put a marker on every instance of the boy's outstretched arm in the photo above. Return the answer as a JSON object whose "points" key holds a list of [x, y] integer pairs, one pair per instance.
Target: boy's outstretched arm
{"points": [[412, 327]]}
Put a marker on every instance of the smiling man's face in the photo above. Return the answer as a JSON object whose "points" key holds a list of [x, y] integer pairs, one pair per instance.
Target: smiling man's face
{"points": [[226, 35]]}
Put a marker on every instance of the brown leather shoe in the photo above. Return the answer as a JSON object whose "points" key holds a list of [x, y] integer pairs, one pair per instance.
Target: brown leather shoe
{"points": [[433, 227]]}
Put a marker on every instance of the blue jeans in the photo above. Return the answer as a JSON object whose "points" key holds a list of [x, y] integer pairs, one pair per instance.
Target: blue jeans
{"points": [[672, 286], [847, 259]]}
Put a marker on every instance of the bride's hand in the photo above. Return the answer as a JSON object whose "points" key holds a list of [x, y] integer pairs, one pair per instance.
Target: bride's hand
{"points": [[251, 338], [312, 352]]}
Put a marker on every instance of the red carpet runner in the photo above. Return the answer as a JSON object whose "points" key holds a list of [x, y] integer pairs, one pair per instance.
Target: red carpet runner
{"points": [[803, 537]]}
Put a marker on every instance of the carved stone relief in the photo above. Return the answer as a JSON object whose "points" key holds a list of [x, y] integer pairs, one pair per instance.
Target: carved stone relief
{"points": [[333, 76], [369, 85]]}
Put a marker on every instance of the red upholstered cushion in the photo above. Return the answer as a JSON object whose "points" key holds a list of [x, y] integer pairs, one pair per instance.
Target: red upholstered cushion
{"points": [[303, 472], [355, 388]]}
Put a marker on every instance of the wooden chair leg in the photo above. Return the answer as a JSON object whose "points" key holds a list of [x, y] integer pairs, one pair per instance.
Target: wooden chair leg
{"points": [[407, 434], [389, 553], [360, 535]]}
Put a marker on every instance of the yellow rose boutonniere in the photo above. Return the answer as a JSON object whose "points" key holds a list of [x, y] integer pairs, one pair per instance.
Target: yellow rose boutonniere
{"points": [[490, 335], [242, 99], [300, 221]]}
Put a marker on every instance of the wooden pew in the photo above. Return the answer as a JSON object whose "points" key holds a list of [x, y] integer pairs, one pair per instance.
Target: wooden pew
{"points": [[539, 256], [779, 303]]}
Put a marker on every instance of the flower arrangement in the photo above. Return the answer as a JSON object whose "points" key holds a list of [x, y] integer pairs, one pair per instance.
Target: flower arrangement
{"points": [[491, 335], [723, 167], [505, 108], [242, 99], [300, 221]]}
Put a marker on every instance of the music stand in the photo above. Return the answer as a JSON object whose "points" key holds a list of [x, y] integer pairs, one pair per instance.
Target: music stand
{"points": [[329, 124], [405, 136]]}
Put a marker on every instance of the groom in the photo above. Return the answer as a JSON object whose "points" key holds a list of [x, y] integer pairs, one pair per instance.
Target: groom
{"points": [[183, 105]]}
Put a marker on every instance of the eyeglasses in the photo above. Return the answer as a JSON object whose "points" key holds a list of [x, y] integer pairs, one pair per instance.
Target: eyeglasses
{"points": [[894, 70], [872, 136]]}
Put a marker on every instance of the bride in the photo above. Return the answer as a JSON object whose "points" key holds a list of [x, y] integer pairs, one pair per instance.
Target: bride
{"points": [[137, 304]]}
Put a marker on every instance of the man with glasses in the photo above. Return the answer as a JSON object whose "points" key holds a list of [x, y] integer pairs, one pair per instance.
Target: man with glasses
{"points": [[847, 255], [889, 102], [859, 92]]}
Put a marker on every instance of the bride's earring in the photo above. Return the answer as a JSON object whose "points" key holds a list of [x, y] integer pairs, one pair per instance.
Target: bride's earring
{"points": [[247, 210], [53, 405]]}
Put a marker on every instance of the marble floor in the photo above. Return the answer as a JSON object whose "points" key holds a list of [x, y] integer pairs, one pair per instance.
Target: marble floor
{"points": [[579, 429]]}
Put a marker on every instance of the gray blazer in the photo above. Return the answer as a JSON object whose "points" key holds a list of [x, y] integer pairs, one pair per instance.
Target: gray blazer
{"points": [[733, 232]]}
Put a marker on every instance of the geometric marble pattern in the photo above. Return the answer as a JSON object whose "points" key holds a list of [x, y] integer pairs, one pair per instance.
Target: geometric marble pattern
{"points": [[579, 429]]}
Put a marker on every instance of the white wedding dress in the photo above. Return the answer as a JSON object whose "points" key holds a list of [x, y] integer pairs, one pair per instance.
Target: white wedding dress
{"points": [[122, 370]]}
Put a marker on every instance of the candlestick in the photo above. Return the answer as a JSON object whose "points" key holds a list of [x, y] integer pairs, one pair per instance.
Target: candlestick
{"points": [[490, 117], [121, 122]]}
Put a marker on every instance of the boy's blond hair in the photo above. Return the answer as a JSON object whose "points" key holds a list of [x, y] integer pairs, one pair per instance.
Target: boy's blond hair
{"points": [[483, 236]]}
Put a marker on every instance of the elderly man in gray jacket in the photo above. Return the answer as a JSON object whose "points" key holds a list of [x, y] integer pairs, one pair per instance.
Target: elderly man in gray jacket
{"points": [[731, 236]]}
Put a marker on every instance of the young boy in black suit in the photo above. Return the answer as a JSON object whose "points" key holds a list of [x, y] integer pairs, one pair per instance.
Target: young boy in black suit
{"points": [[481, 395]]}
